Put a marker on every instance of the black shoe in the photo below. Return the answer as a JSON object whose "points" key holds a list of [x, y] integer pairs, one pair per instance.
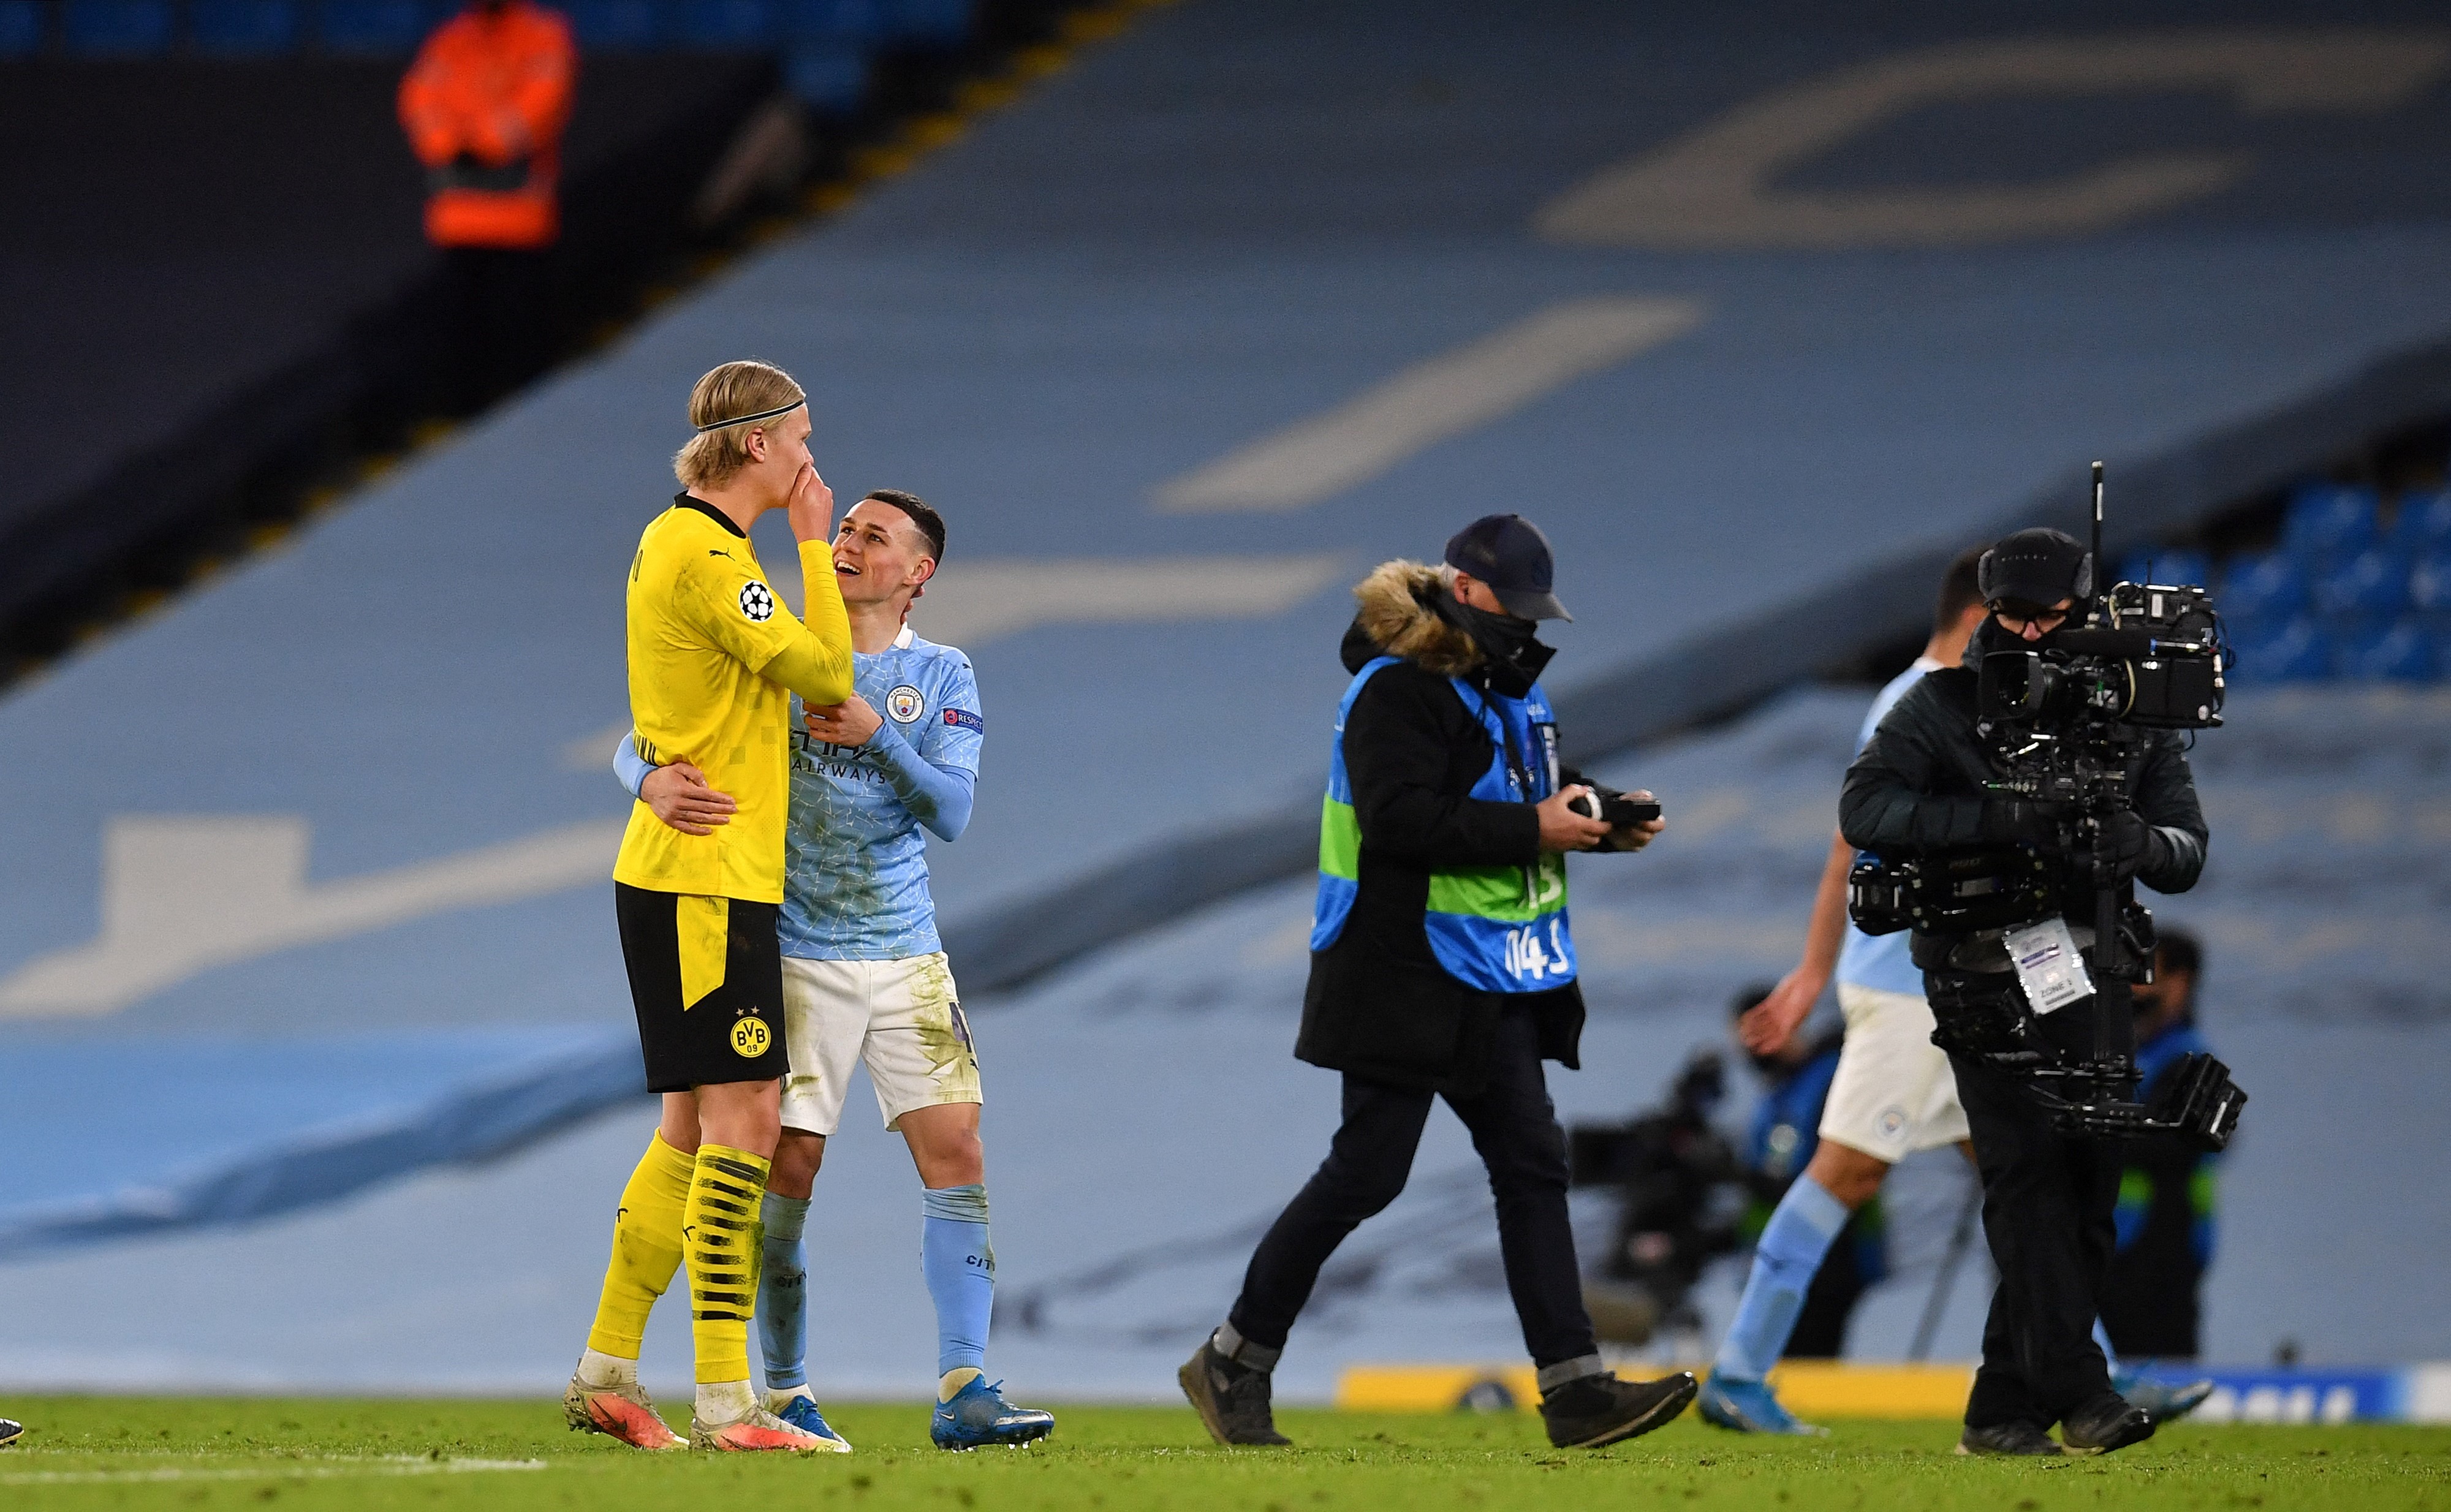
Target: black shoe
{"points": [[1601, 1409], [2106, 1423], [2009, 1438], [9, 1432], [1232, 1399]]}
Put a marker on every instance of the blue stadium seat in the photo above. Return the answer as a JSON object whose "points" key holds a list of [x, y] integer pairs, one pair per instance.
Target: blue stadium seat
{"points": [[21, 27], [2172, 566], [243, 28], [2401, 651], [614, 26], [2281, 651], [2268, 587], [837, 21], [2372, 586], [116, 29], [827, 75], [2331, 520], [373, 25], [2422, 524], [928, 23], [726, 25], [2429, 584]]}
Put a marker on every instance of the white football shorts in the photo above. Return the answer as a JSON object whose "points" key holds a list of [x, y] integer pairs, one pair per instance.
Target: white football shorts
{"points": [[902, 1019], [1894, 1093]]}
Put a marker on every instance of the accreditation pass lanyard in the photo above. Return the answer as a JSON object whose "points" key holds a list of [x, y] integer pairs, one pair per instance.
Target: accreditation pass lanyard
{"points": [[2047, 965], [1520, 776]]}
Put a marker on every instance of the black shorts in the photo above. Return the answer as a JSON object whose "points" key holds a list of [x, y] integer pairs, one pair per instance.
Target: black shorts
{"points": [[733, 1032]]}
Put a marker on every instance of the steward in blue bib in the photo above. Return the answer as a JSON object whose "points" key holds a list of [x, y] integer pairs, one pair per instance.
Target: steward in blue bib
{"points": [[1442, 967], [1436, 906]]}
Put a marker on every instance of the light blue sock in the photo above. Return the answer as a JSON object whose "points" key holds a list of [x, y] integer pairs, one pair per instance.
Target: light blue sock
{"points": [[1797, 1235], [783, 1293], [2102, 1337], [960, 1266]]}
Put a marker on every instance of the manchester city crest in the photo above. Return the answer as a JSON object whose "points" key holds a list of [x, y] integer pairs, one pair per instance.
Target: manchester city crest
{"points": [[905, 704]]}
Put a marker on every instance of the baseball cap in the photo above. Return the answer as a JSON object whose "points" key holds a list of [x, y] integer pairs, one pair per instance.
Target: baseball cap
{"points": [[1509, 553], [2038, 567]]}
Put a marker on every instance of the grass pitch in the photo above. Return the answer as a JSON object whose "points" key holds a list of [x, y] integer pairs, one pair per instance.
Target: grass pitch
{"points": [[362, 1455]]}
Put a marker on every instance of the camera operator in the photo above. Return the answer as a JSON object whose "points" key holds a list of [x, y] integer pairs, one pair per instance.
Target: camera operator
{"points": [[1441, 965], [1920, 789]]}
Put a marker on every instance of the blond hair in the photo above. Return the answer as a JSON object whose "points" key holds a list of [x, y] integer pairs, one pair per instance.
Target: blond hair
{"points": [[725, 394]]}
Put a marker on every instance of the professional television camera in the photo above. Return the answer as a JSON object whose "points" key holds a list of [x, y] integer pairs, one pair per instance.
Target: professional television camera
{"points": [[2069, 726]]}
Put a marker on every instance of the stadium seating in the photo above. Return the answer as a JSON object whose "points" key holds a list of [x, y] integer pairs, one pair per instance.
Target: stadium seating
{"points": [[1138, 337], [2359, 588], [616, 26], [827, 47], [2326, 523], [22, 28], [374, 26], [115, 29], [243, 28]]}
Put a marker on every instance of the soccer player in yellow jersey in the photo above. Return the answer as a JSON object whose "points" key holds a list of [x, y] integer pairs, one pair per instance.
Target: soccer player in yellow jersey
{"points": [[713, 660]]}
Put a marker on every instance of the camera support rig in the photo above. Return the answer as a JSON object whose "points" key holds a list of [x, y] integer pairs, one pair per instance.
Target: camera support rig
{"points": [[2147, 659]]}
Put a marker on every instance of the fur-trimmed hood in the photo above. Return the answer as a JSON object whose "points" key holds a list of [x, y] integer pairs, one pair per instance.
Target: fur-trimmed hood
{"points": [[1398, 618]]}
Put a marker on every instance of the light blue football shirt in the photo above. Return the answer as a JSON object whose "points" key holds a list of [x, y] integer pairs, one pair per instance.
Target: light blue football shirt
{"points": [[1881, 961], [854, 859]]}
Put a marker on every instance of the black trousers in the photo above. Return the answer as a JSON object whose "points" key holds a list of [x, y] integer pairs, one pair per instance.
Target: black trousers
{"points": [[2047, 1204], [1514, 1130]]}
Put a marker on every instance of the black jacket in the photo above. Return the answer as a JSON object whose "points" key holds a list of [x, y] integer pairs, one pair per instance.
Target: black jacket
{"points": [[1917, 788], [1378, 1004]]}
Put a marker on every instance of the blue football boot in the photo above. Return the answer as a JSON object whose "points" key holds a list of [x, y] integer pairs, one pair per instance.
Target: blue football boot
{"points": [[2167, 1400], [801, 1412], [1749, 1406], [979, 1415]]}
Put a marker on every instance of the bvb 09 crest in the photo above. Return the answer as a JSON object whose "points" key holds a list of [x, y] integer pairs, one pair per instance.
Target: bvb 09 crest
{"points": [[750, 1037]]}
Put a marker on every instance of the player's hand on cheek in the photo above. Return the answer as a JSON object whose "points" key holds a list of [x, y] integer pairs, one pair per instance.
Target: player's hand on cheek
{"points": [[848, 723], [678, 796]]}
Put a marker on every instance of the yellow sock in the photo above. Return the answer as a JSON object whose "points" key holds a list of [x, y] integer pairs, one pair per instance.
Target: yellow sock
{"points": [[646, 1248], [721, 1230]]}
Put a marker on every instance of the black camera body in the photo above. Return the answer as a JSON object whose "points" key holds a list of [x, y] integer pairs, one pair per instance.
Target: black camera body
{"points": [[1959, 894], [2153, 660]]}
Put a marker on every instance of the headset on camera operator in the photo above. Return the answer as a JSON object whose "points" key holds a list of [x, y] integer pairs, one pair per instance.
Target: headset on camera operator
{"points": [[1948, 785]]}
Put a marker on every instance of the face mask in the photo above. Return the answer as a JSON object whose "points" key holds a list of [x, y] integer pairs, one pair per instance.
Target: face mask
{"points": [[1514, 657]]}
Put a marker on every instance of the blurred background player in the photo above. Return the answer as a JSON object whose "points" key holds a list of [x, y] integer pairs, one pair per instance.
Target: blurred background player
{"points": [[484, 105], [714, 657], [865, 978], [2150, 1304], [1780, 1143], [1891, 1093]]}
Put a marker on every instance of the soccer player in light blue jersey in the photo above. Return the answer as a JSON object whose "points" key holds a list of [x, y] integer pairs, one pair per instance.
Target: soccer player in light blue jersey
{"points": [[1893, 1094], [865, 979]]}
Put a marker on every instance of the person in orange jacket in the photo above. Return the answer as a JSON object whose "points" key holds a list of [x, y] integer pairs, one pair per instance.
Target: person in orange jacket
{"points": [[484, 105]]}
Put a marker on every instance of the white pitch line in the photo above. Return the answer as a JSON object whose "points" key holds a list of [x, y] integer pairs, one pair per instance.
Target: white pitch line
{"points": [[1459, 391], [387, 1464]]}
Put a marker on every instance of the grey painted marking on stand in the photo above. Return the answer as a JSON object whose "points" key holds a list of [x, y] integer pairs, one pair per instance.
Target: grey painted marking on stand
{"points": [[1462, 390]]}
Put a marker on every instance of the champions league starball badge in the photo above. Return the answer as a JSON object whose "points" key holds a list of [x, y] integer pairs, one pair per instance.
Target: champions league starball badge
{"points": [[905, 704], [756, 601]]}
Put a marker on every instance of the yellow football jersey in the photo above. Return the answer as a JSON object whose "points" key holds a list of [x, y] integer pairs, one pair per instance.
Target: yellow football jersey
{"points": [[704, 623]]}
